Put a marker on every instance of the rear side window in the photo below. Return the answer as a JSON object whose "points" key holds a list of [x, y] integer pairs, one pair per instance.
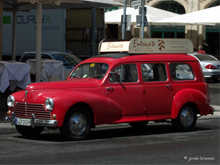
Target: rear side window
{"points": [[181, 71], [153, 72]]}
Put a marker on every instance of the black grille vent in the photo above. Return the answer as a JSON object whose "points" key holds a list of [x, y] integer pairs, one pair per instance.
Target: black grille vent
{"points": [[25, 110]]}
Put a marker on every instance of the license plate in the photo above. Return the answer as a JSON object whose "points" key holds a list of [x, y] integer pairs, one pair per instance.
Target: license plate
{"points": [[20, 121], [218, 66]]}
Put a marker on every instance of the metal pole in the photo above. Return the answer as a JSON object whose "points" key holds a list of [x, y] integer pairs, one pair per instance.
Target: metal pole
{"points": [[38, 40], [142, 19], [93, 29], [14, 34], [124, 20]]}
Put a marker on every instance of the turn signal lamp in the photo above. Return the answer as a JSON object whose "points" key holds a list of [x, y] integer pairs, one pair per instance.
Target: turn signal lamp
{"points": [[54, 117], [9, 113], [210, 66]]}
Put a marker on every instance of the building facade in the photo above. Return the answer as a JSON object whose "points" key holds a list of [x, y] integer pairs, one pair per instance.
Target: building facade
{"points": [[195, 33]]}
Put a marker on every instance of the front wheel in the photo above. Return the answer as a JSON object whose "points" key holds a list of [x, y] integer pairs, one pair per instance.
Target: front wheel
{"points": [[77, 124], [186, 119], [28, 131]]}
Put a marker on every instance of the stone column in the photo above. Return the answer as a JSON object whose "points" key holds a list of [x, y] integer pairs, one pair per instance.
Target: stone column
{"points": [[192, 30], [1, 27]]}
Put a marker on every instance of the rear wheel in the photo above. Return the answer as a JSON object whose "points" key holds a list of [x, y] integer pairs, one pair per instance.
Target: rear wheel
{"points": [[27, 131], [216, 80], [139, 125], [186, 119], [77, 124]]}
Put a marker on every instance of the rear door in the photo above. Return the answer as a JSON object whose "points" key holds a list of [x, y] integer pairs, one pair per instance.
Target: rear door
{"points": [[158, 94]]}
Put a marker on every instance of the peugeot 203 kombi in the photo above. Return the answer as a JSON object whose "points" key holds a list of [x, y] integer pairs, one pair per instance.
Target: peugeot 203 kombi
{"points": [[129, 82]]}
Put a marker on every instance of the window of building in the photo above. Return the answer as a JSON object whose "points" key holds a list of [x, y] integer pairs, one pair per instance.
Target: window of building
{"points": [[169, 31]]}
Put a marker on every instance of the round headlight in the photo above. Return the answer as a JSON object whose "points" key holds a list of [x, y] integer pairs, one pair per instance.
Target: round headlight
{"points": [[10, 101], [49, 104]]}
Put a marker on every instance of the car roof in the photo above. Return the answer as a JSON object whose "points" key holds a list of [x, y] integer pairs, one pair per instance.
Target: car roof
{"points": [[49, 52], [125, 57], [193, 54]]}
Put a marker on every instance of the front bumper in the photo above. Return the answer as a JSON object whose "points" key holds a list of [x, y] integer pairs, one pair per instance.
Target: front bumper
{"points": [[212, 110], [34, 122]]}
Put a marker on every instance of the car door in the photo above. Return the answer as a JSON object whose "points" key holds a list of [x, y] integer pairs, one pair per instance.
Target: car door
{"points": [[158, 94], [124, 91]]}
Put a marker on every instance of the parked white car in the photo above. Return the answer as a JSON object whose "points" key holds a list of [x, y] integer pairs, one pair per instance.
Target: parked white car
{"points": [[69, 60], [210, 66]]}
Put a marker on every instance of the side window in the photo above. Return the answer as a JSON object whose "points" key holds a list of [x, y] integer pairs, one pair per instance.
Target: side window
{"points": [[124, 73], [28, 56], [32, 56], [45, 56], [153, 72], [180, 71]]}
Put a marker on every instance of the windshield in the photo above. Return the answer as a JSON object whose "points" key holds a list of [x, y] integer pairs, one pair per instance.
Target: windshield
{"points": [[90, 70], [67, 59], [205, 57]]}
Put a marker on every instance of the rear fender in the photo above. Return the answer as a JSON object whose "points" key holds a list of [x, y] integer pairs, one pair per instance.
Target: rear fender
{"points": [[190, 96]]}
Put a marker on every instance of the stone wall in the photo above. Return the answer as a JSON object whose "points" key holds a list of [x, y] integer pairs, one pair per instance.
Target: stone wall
{"points": [[195, 33]]}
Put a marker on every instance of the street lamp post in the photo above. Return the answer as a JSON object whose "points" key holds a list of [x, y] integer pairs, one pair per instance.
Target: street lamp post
{"points": [[124, 20]]}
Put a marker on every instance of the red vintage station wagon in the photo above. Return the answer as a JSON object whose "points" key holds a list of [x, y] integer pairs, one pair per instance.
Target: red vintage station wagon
{"points": [[129, 82]]}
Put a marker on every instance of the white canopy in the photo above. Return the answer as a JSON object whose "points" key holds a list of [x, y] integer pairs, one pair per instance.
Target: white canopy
{"points": [[58, 4], [153, 14], [202, 17]]}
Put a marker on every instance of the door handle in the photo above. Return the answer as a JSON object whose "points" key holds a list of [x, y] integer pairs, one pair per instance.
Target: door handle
{"points": [[169, 87], [111, 89]]}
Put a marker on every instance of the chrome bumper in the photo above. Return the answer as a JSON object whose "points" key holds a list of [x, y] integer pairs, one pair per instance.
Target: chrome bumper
{"points": [[212, 109], [34, 122]]}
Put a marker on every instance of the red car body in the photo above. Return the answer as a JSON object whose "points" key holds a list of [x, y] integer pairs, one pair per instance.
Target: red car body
{"points": [[123, 102]]}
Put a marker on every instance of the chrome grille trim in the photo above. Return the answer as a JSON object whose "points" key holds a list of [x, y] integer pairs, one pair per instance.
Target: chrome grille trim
{"points": [[25, 110]]}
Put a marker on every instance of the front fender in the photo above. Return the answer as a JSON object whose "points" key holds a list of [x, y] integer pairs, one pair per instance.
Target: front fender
{"points": [[98, 103], [190, 96]]}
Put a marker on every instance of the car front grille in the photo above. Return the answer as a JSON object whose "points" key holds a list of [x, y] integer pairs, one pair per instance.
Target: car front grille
{"points": [[25, 110]]}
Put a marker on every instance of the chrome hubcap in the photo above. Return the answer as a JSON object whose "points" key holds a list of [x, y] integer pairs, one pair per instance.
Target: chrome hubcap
{"points": [[186, 117], [77, 124]]}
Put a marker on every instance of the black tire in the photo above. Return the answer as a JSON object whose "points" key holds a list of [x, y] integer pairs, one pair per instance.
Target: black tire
{"points": [[77, 124], [139, 125], [28, 131], [186, 119], [216, 80]]}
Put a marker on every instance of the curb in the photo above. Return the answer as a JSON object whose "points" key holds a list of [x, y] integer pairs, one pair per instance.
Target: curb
{"points": [[7, 128]]}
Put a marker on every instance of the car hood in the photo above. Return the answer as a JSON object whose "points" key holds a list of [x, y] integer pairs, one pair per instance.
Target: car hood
{"points": [[73, 83]]}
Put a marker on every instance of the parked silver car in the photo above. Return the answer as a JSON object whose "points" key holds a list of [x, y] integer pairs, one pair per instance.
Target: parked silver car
{"points": [[69, 60], [210, 66]]}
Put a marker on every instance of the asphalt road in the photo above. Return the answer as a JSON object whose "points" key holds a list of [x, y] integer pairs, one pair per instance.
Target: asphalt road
{"points": [[118, 144], [214, 93]]}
